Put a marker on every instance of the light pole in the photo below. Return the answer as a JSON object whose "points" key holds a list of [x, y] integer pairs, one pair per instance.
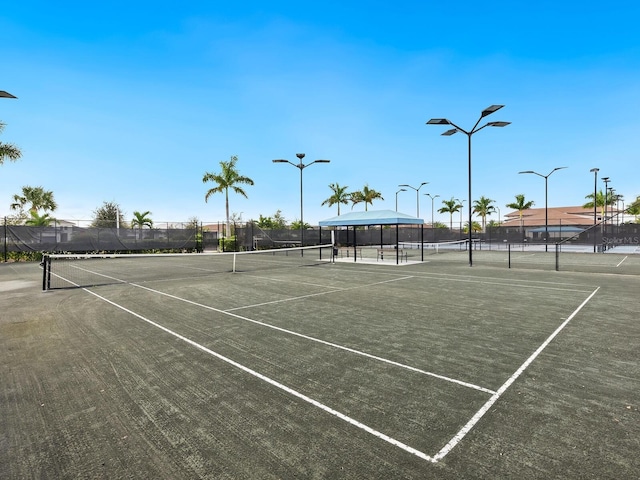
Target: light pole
{"points": [[606, 193], [401, 190], [460, 202], [301, 166], [417, 197], [595, 205], [432, 197], [546, 205], [443, 121]]}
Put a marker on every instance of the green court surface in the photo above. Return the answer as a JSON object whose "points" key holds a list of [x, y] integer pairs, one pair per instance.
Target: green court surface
{"points": [[362, 369]]}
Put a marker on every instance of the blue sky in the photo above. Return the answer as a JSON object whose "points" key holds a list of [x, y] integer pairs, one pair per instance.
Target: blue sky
{"points": [[133, 102]]}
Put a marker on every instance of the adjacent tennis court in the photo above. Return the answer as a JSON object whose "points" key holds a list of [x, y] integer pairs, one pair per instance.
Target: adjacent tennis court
{"points": [[300, 367]]}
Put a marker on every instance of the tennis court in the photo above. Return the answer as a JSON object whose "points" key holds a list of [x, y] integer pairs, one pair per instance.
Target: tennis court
{"points": [[321, 370]]}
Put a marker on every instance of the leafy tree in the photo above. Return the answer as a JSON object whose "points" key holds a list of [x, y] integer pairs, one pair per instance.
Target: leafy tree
{"points": [[450, 206], [483, 208], [8, 151], [36, 198], [141, 220], [296, 225], [109, 215], [339, 196], [228, 178], [366, 195], [634, 208], [521, 205], [39, 220], [193, 223], [277, 222]]}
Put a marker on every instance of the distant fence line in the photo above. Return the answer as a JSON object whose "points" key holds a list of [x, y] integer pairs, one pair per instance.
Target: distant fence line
{"points": [[186, 236]]}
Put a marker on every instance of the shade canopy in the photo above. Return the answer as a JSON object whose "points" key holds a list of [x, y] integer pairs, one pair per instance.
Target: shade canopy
{"points": [[372, 217]]}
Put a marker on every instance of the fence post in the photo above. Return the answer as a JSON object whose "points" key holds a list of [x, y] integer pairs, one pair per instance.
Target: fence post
{"points": [[4, 242]]}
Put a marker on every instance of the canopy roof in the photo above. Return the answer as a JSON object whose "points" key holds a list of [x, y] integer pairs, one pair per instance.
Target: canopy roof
{"points": [[375, 217]]}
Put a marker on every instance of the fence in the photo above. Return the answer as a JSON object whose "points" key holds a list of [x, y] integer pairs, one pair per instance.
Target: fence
{"points": [[67, 237]]}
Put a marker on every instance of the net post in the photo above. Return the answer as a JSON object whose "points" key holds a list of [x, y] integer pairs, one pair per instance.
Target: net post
{"points": [[46, 275], [509, 254], [558, 256]]}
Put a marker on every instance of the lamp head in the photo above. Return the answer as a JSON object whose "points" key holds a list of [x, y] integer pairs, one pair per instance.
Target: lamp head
{"points": [[300, 155], [4, 94], [498, 124], [438, 121], [490, 110], [280, 161]]}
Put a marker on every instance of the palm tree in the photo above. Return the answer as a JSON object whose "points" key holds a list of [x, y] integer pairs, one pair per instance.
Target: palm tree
{"points": [[39, 220], [600, 202], [8, 151], [483, 208], [476, 227], [366, 195], [339, 196], [228, 178], [450, 206], [521, 205], [36, 197], [141, 220]]}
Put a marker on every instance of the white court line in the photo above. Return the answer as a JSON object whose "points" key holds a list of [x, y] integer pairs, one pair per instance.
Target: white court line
{"points": [[335, 290], [479, 414], [276, 384], [323, 342], [626, 256]]}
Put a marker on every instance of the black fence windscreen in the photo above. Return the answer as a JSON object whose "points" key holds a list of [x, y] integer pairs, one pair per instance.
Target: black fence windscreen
{"points": [[21, 238]]}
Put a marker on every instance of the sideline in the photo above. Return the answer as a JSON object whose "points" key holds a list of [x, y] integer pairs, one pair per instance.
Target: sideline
{"points": [[274, 383]]}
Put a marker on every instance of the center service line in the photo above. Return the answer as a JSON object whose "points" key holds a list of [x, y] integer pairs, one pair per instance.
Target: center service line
{"points": [[274, 383], [324, 342]]}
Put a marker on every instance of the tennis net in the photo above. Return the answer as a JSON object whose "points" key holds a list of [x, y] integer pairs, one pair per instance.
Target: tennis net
{"points": [[436, 247], [87, 270]]}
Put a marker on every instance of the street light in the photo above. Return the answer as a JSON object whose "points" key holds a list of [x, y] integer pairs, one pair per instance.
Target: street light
{"points": [[546, 206], [401, 190], [301, 166], [595, 206], [443, 121], [417, 198], [432, 197]]}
